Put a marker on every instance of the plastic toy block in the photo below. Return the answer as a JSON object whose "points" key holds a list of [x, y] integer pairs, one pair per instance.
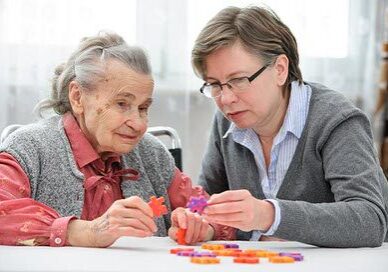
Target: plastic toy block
{"points": [[226, 252], [178, 249], [186, 253], [245, 254], [213, 246], [205, 260], [247, 260], [281, 259], [231, 245], [157, 206], [180, 236], [266, 254], [204, 254], [297, 256], [197, 204], [255, 250]]}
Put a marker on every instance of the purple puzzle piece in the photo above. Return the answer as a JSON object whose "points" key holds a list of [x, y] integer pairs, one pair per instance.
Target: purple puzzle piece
{"points": [[296, 256], [185, 253], [204, 254], [229, 245], [197, 204]]}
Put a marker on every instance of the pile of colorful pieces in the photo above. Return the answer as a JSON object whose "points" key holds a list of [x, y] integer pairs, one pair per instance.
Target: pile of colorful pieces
{"points": [[247, 256]]}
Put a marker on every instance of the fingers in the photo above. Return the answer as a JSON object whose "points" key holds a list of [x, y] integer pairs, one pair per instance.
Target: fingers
{"points": [[138, 203], [203, 231], [137, 224], [182, 219], [172, 233], [228, 196], [178, 218], [224, 208], [194, 226], [225, 217], [130, 231]]}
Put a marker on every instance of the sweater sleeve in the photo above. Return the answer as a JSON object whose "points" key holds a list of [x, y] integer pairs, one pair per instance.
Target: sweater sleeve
{"points": [[24, 221], [357, 217], [213, 176]]}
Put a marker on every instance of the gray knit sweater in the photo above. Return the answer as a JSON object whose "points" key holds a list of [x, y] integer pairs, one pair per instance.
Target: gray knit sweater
{"points": [[44, 152], [334, 193]]}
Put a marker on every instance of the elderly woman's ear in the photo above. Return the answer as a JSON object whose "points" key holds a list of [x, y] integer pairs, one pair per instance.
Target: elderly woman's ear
{"points": [[75, 97]]}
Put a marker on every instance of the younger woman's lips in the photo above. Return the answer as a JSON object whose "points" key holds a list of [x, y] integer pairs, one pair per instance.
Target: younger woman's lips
{"points": [[236, 115]]}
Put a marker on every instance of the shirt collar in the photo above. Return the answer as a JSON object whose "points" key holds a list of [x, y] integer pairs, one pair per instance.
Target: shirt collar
{"points": [[297, 110], [83, 151]]}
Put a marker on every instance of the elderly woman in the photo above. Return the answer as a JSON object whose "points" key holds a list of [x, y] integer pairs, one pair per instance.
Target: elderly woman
{"points": [[81, 178], [286, 158]]}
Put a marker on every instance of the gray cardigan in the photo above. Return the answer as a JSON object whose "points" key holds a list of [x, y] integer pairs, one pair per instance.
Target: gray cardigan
{"points": [[334, 193], [43, 150]]}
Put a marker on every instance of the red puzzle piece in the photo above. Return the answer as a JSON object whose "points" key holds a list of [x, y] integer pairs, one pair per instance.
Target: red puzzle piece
{"points": [[180, 236], [157, 206]]}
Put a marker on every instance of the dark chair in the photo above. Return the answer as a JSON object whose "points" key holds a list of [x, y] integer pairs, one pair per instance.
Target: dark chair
{"points": [[176, 147]]}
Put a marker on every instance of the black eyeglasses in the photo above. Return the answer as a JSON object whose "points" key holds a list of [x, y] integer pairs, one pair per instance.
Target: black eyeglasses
{"points": [[239, 84]]}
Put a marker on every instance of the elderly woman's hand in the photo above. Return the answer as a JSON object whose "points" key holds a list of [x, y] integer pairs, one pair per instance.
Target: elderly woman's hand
{"points": [[239, 209], [197, 229], [126, 217]]}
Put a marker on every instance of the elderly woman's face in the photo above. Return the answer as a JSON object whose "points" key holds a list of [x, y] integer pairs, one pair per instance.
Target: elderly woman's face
{"points": [[115, 113]]}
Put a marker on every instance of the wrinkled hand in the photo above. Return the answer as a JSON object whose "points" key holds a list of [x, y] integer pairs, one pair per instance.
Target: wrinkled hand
{"points": [[239, 209], [126, 217], [197, 229]]}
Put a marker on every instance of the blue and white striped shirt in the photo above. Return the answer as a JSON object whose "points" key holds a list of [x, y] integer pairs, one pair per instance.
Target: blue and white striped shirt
{"points": [[283, 148]]}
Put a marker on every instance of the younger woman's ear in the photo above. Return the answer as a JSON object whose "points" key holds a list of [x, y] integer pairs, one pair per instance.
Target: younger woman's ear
{"points": [[75, 95], [281, 66]]}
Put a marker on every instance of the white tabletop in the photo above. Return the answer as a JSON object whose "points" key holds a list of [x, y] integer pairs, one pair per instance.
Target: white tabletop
{"points": [[152, 254]]}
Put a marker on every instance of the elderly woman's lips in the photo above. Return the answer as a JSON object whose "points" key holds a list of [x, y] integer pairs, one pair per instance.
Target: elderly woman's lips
{"points": [[130, 137]]}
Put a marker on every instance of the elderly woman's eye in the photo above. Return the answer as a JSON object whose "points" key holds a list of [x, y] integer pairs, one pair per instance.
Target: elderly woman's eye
{"points": [[123, 105], [143, 110]]}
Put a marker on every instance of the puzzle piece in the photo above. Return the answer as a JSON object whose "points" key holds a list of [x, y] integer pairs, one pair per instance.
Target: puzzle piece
{"points": [[230, 245], [261, 253], [281, 259], [297, 256], [247, 260], [213, 246], [179, 249], [227, 252], [186, 253], [197, 204], [205, 260], [157, 206], [204, 254], [180, 236]]}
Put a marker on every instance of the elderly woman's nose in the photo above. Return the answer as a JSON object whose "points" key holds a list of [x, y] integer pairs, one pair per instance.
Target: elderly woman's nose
{"points": [[136, 121]]}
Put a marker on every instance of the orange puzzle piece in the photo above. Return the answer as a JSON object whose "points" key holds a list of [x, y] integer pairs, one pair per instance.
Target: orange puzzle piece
{"points": [[180, 236], [281, 259], [247, 260], [157, 206], [205, 260]]}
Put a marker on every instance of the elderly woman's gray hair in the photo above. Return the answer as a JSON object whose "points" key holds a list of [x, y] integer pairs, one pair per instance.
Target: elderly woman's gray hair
{"points": [[87, 65]]}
